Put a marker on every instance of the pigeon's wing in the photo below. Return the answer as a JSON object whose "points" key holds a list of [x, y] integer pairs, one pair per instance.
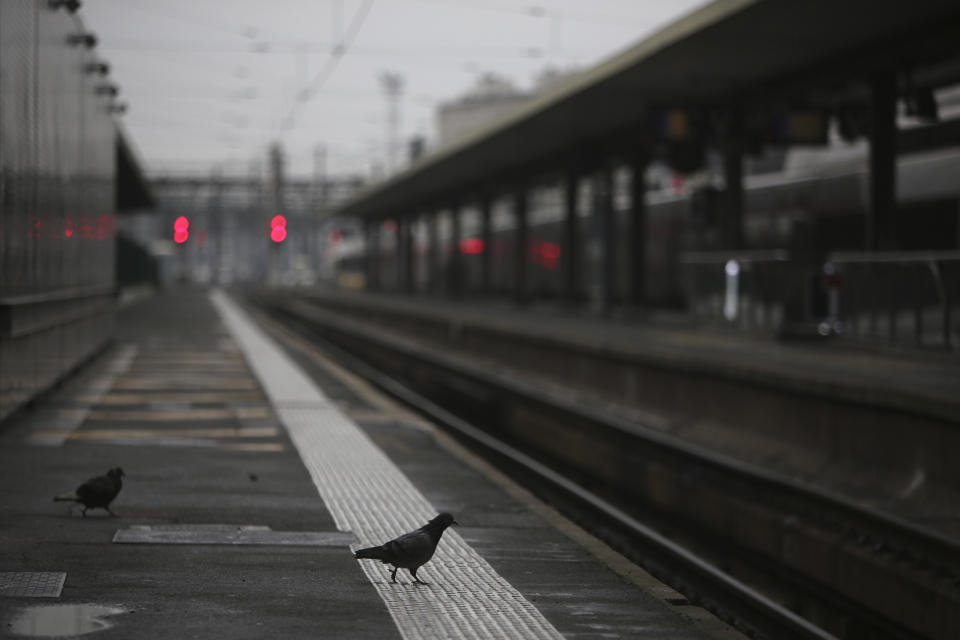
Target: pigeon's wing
{"points": [[97, 489], [410, 550]]}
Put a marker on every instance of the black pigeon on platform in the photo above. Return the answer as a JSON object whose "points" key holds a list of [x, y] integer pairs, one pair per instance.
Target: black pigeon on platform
{"points": [[96, 492], [411, 550]]}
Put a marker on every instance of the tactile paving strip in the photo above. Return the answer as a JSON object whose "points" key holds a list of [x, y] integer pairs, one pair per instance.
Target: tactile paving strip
{"points": [[367, 494], [31, 584]]}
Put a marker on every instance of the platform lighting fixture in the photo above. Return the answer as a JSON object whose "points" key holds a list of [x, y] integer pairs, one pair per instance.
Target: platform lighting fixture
{"points": [[70, 5], [107, 90], [100, 68], [88, 40], [118, 108]]}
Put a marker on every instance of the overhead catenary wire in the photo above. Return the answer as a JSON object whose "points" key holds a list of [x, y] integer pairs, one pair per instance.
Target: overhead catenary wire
{"points": [[306, 94], [179, 57]]}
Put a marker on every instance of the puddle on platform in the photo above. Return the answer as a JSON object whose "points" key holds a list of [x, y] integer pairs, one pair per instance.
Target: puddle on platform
{"points": [[62, 620]]}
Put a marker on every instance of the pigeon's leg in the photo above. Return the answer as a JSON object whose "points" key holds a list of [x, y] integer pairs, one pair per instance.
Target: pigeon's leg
{"points": [[413, 572], [393, 575]]}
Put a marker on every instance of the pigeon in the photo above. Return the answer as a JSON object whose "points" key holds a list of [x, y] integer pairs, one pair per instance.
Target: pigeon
{"points": [[411, 550], [96, 492]]}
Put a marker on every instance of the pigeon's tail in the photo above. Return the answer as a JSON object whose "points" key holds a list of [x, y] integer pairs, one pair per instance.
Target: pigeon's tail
{"points": [[376, 553], [67, 497]]}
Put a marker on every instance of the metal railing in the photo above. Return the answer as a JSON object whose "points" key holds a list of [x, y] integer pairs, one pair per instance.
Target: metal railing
{"points": [[743, 289], [901, 298]]}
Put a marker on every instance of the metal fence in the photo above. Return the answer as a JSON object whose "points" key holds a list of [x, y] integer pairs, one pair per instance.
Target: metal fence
{"points": [[898, 298], [903, 298], [743, 289]]}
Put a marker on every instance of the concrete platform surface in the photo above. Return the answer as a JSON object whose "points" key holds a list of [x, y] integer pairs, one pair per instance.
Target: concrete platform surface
{"points": [[924, 382], [251, 472]]}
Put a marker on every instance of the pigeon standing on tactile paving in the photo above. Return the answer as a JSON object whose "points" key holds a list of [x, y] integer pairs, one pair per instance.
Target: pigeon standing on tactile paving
{"points": [[411, 550], [96, 492]]}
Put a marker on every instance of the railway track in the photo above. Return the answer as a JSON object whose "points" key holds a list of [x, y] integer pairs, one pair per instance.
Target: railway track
{"points": [[774, 558]]}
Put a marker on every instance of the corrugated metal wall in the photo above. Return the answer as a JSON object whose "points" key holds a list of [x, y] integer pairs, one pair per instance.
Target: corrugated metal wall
{"points": [[57, 211]]}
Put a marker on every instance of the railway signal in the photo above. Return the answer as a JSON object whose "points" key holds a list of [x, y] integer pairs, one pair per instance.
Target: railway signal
{"points": [[278, 229], [181, 229]]}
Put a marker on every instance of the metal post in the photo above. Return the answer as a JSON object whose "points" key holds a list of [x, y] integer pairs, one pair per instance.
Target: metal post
{"points": [[731, 225], [433, 252], [373, 254], [405, 252], [487, 237], [520, 250], [217, 232], [571, 235], [454, 269], [603, 180], [318, 206], [367, 254], [638, 230], [881, 218]]}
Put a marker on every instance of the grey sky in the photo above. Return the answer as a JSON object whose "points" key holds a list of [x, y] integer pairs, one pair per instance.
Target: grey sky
{"points": [[211, 83]]}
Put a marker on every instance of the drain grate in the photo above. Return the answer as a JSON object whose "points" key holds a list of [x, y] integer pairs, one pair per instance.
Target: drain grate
{"points": [[230, 534], [32, 584]]}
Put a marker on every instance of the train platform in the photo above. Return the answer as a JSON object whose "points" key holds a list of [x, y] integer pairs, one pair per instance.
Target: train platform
{"points": [[923, 382], [252, 471]]}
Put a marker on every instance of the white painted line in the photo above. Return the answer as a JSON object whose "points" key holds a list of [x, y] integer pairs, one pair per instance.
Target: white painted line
{"points": [[368, 495]]}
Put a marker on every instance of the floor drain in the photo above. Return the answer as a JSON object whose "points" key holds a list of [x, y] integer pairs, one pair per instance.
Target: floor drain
{"points": [[31, 584]]}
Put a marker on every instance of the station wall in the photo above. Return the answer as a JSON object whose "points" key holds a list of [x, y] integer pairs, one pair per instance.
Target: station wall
{"points": [[57, 201]]}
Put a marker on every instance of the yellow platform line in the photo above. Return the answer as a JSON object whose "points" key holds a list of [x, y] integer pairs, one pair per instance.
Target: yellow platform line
{"points": [[252, 446], [157, 434], [177, 397], [205, 383], [175, 415]]}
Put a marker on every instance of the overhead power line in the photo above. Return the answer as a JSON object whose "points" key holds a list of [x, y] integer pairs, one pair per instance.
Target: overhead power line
{"points": [[340, 50]]}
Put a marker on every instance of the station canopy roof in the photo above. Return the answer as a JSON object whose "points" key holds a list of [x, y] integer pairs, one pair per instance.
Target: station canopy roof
{"points": [[729, 52]]}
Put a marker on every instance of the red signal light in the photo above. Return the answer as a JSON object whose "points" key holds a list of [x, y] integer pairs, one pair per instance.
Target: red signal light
{"points": [[550, 250], [181, 229], [472, 246], [278, 228], [545, 253], [278, 234], [335, 237]]}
